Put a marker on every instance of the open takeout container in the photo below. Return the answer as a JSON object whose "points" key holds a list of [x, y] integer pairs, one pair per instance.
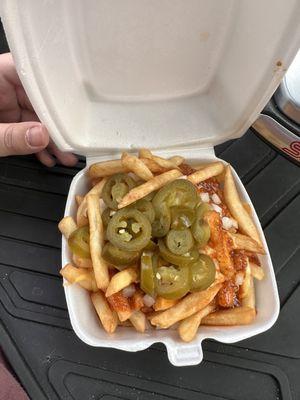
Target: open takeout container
{"points": [[174, 75]]}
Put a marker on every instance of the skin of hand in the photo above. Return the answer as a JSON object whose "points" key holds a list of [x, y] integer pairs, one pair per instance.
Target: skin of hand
{"points": [[20, 130]]}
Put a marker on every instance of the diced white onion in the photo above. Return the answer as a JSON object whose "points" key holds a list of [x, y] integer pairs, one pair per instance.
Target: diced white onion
{"points": [[129, 291], [204, 197], [229, 223], [226, 223], [216, 199], [216, 208], [148, 300], [112, 212], [239, 278]]}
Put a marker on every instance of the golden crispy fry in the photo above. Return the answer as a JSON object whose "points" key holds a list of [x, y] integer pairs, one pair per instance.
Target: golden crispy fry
{"points": [[121, 305], [186, 307], [257, 272], [176, 160], [95, 181], [163, 304], [120, 280], [79, 199], [249, 299], [162, 162], [96, 241], [233, 202], [145, 153], [108, 317], [84, 277], [232, 316], [153, 166], [139, 321], [82, 218], [124, 315], [245, 286], [67, 226], [82, 262], [188, 327], [244, 242], [135, 165], [106, 168], [247, 207], [148, 187], [209, 171]]}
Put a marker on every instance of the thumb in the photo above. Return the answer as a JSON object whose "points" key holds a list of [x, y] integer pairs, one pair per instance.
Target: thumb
{"points": [[22, 138]]}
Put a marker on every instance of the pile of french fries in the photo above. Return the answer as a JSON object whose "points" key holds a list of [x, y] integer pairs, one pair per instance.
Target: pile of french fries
{"points": [[106, 284]]}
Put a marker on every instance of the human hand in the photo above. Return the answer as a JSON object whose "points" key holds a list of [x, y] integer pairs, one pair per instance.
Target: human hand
{"points": [[20, 130]]}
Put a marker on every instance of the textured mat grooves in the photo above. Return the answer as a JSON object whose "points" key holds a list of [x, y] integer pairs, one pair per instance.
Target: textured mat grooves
{"points": [[53, 364]]}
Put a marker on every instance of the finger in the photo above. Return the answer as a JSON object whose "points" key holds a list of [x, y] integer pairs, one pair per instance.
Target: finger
{"points": [[45, 158], [28, 115], [22, 138], [23, 99], [8, 69], [67, 159]]}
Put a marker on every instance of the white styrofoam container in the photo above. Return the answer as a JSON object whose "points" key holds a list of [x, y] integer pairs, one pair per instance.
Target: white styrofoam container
{"points": [[86, 324], [178, 76]]}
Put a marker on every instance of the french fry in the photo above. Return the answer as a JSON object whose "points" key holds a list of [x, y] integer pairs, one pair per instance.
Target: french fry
{"points": [[82, 262], [257, 272], [120, 280], [145, 153], [79, 199], [247, 207], [95, 181], [67, 226], [249, 299], [106, 168], [244, 242], [206, 172], [84, 277], [164, 163], [162, 304], [121, 305], [232, 316], [233, 202], [148, 187], [253, 257], [153, 166], [170, 163], [176, 160], [135, 165], [188, 327], [139, 321], [186, 307], [245, 286], [107, 316], [96, 241], [82, 218]]}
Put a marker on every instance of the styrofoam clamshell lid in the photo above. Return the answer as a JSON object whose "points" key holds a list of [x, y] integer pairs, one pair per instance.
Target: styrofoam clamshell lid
{"points": [[108, 75]]}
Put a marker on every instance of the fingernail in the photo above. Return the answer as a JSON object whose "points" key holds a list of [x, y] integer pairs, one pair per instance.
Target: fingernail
{"points": [[35, 136]]}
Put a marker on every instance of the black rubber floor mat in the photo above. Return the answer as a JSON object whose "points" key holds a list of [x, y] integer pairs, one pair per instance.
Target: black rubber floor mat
{"points": [[52, 363]]}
